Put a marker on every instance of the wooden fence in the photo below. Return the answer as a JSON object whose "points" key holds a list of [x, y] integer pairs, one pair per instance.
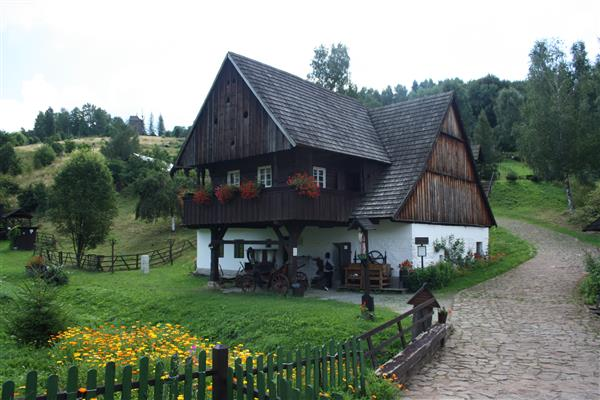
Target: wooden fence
{"points": [[117, 262], [312, 374], [420, 318]]}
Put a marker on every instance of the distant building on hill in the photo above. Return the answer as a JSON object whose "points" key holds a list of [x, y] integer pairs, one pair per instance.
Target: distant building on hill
{"points": [[137, 124]]}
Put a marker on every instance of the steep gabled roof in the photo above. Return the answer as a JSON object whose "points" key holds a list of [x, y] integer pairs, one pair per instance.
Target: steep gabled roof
{"points": [[310, 115], [407, 131], [594, 226]]}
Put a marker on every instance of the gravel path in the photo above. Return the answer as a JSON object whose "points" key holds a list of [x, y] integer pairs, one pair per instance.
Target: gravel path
{"points": [[522, 335]]}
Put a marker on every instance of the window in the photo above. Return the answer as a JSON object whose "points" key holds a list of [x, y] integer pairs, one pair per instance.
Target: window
{"points": [[238, 249], [320, 176], [233, 177], [264, 176], [479, 248]]}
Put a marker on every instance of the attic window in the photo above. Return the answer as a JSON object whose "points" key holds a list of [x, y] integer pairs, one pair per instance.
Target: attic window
{"points": [[245, 114], [216, 120], [227, 100]]}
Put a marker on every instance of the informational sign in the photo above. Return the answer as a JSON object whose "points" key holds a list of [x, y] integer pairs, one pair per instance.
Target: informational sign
{"points": [[422, 251], [145, 263], [295, 251], [421, 240]]}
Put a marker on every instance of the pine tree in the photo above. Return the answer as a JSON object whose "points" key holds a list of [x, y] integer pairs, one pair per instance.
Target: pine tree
{"points": [[161, 126], [151, 125]]}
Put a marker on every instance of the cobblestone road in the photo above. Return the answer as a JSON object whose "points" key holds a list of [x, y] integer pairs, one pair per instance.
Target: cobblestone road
{"points": [[521, 335]]}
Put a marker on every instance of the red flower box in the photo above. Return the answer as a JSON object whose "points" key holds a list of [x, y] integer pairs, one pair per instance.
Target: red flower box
{"points": [[225, 193], [202, 196], [305, 185], [249, 190]]}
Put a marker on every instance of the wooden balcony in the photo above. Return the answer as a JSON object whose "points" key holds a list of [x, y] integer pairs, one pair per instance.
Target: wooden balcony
{"points": [[273, 205]]}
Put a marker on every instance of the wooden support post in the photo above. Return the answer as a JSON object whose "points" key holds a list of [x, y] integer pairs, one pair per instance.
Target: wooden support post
{"points": [[216, 235], [220, 359]]}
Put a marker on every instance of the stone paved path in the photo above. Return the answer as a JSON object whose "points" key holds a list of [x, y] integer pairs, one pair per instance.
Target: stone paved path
{"points": [[521, 335]]}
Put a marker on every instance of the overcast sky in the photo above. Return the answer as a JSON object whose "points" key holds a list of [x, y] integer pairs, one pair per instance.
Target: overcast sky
{"points": [[135, 58]]}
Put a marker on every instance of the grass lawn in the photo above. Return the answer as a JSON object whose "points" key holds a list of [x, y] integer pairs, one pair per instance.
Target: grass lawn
{"points": [[541, 203], [170, 294], [507, 251]]}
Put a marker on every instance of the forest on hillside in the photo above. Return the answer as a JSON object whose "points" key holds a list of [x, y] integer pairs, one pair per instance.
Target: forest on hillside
{"points": [[551, 120]]}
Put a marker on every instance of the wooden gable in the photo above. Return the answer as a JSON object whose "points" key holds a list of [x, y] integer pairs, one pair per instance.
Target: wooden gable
{"points": [[232, 124], [448, 191]]}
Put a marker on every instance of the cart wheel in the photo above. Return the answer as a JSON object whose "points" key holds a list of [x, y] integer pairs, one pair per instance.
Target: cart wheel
{"points": [[248, 284], [302, 280], [280, 283], [239, 280]]}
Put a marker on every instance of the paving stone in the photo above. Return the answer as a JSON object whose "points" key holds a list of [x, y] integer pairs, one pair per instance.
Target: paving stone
{"points": [[522, 335]]}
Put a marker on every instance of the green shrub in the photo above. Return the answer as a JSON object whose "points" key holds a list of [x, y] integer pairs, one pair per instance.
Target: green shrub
{"points": [[9, 161], [511, 176], [58, 148], [43, 156], [590, 212], [34, 198], [379, 388], [70, 146], [36, 314], [55, 275], [590, 286], [436, 276], [9, 186]]}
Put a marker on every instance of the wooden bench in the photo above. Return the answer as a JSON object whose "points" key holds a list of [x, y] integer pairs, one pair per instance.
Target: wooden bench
{"points": [[380, 276]]}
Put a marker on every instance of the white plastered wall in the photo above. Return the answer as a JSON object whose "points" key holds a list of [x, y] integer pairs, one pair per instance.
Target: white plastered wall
{"points": [[395, 239]]}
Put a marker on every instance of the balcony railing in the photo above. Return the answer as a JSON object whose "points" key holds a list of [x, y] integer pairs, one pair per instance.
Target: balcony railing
{"points": [[273, 204]]}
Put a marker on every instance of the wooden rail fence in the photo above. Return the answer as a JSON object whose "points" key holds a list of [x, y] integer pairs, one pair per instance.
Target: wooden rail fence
{"points": [[315, 373], [117, 262], [421, 319]]}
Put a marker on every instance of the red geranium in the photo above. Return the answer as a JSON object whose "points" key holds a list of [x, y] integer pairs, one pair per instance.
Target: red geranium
{"points": [[249, 190], [406, 265], [305, 184], [225, 193], [202, 196]]}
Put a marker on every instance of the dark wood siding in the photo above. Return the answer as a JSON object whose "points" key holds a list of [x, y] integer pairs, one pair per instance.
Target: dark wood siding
{"points": [[448, 192], [233, 124], [450, 157], [275, 204], [446, 200]]}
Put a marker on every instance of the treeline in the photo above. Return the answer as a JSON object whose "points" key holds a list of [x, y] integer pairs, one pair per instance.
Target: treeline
{"points": [[89, 120]]}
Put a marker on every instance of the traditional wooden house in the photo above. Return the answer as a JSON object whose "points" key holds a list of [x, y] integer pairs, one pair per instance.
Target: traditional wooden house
{"points": [[406, 170]]}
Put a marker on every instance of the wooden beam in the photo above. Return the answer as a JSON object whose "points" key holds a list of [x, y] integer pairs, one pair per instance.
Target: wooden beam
{"points": [[216, 235]]}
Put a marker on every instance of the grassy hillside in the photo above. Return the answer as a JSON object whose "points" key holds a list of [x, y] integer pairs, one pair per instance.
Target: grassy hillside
{"points": [[132, 235], [541, 203], [46, 174]]}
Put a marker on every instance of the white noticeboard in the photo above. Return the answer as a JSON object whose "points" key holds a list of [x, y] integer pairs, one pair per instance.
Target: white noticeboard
{"points": [[145, 263]]}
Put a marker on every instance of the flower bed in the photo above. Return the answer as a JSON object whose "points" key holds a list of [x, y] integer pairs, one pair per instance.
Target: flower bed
{"points": [[94, 347]]}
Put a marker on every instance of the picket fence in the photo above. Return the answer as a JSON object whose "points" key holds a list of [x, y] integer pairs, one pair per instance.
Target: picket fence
{"points": [[311, 374]]}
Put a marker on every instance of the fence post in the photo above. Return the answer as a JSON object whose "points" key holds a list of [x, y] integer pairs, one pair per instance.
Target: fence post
{"points": [[171, 241], [220, 358]]}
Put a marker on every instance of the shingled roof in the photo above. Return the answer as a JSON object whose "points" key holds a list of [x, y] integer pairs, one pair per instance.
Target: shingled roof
{"points": [[407, 130], [401, 136], [594, 226], [310, 115]]}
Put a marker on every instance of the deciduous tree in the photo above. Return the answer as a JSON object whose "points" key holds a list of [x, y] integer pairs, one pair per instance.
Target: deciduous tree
{"points": [[82, 201]]}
